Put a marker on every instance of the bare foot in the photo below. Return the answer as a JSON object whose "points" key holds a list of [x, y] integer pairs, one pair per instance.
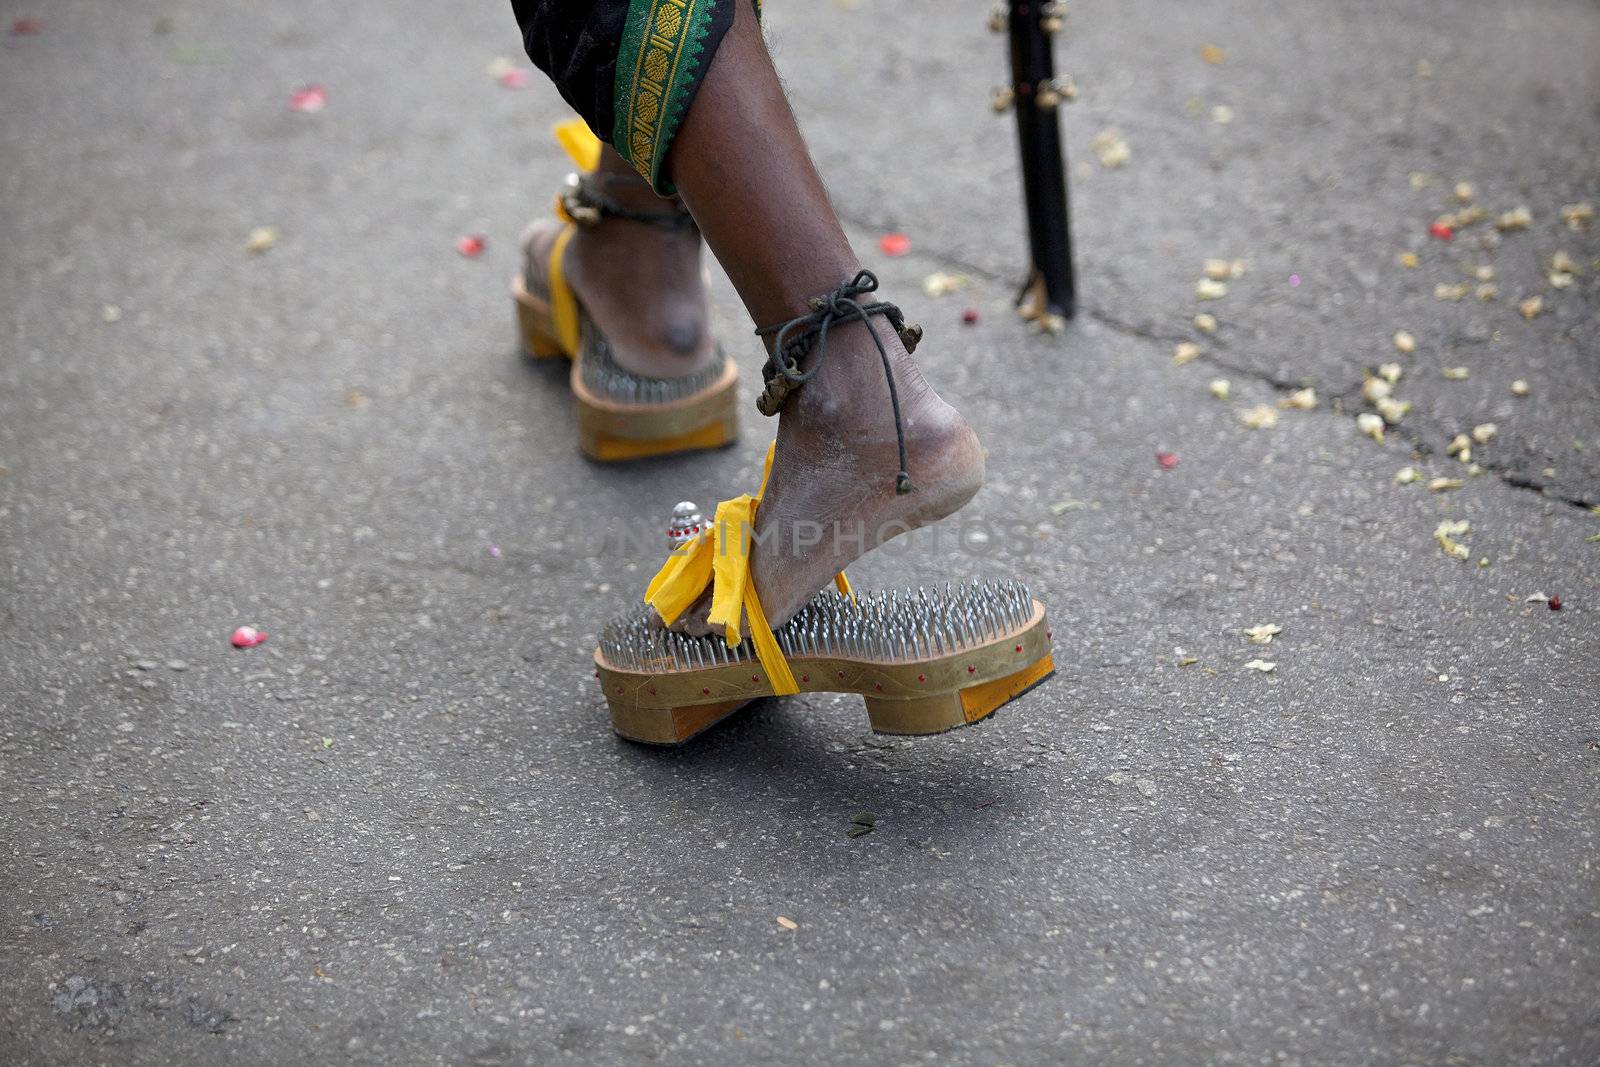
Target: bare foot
{"points": [[643, 286], [831, 498]]}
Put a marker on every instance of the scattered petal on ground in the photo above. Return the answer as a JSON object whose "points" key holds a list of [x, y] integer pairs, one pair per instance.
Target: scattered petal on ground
{"points": [[1456, 221], [1112, 150], [1222, 114], [247, 637], [1441, 231], [1392, 410], [1483, 272], [27, 27], [1205, 322], [1210, 289], [1486, 291], [1300, 400], [1186, 352], [1578, 217], [1405, 342], [1210, 53], [1264, 666], [1456, 374], [111, 313], [1460, 446], [787, 923], [1554, 603], [1263, 634], [1446, 291], [1409, 260], [1260, 417], [1390, 372], [1520, 388], [515, 78], [1407, 475], [1447, 532], [1440, 485], [1168, 460], [1221, 270], [894, 244], [941, 284], [1464, 192], [311, 99], [261, 238], [1220, 388], [471, 245], [1531, 306], [1518, 218], [970, 316], [1374, 389], [1484, 432], [1371, 425]]}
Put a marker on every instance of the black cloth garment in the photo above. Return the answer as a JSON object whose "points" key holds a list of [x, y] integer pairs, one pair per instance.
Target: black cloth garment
{"points": [[630, 68], [576, 43]]}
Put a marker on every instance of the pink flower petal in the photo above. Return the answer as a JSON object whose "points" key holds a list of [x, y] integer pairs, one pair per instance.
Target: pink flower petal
{"points": [[516, 78], [471, 245], [27, 27], [311, 99], [894, 244], [970, 316], [247, 637], [1168, 460]]}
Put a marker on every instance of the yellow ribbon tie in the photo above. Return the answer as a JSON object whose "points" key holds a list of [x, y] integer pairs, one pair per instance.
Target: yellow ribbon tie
{"points": [[580, 142], [719, 556]]}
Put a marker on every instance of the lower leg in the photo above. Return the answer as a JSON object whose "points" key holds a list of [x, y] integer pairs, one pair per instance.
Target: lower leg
{"points": [[743, 169]]}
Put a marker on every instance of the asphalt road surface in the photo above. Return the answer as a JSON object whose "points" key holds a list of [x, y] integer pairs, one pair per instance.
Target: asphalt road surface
{"points": [[401, 830]]}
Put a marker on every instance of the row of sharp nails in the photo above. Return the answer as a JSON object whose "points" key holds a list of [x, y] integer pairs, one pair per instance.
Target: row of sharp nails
{"points": [[897, 626]]}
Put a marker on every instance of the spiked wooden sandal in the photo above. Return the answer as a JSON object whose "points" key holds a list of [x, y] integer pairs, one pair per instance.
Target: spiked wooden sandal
{"points": [[621, 415], [924, 662]]}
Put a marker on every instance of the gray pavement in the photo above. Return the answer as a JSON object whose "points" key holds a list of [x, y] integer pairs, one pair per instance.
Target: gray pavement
{"points": [[401, 831]]}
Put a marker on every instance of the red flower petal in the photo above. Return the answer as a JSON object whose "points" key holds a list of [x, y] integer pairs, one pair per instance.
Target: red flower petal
{"points": [[1441, 231], [26, 27], [471, 245], [970, 316], [310, 99], [247, 637], [1168, 460], [894, 244], [1555, 603]]}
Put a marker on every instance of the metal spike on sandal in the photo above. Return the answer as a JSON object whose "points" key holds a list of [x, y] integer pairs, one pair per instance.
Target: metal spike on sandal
{"points": [[621, 415]]}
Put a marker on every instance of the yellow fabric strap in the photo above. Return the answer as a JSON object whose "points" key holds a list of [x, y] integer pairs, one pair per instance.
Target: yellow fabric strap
{"points": [[563, 303], [580, 142], [720, 556]]}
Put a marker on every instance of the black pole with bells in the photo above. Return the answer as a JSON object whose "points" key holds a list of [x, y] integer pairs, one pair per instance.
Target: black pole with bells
{"points": [[1049, 296]]}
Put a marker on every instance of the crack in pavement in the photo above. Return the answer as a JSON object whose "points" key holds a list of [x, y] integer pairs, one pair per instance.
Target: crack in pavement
{"points": [[1513, 478]]}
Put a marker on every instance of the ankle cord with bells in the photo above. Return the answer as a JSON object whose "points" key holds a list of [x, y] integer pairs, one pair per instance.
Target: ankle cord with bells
{"points": [[798, 336]]}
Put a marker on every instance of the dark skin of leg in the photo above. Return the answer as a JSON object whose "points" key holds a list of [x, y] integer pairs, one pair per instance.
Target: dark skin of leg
{"points": [[643, 286], [742, 168]]}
